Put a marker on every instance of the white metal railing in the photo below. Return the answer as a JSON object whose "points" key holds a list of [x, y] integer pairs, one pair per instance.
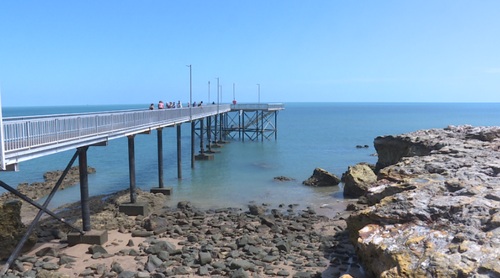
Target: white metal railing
{"points": [[25, 136], [258, 106]]}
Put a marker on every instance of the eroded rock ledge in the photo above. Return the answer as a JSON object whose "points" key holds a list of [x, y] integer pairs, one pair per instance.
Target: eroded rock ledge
{"points": [[435, 205]]}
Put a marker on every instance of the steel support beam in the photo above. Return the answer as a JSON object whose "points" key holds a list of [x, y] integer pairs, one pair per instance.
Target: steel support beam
{"points": [[179, 166], [202, 150], [193, 123], [160, 157], [84, 187], [131, 168]]}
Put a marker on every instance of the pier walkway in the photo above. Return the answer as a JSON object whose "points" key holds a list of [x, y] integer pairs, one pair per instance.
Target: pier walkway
{"points": [[26, 138]]}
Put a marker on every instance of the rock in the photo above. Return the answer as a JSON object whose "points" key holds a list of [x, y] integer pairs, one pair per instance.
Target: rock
{"points": [[126, 274], [12, 230], [116, 267], [203, 271], [153, 263], [256, 209], [50, 266], [283, 273], [155, 223], [38, 190], [97, 249], [140, 233], [47, 251], [184, 205], [321, 177], [50, 274], [357, 180], [243, 264], [240, 273], [163, 255], [65, 260], [58, 234], [204, 258], [160, 245], [432, 203], [282, 179], [181, 270]]}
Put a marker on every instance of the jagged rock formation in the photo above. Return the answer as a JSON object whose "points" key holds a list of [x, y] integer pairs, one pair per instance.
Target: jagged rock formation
{"points": [[12, 230], [357, 179], [322, 177], [38, 190], [436, 205]]}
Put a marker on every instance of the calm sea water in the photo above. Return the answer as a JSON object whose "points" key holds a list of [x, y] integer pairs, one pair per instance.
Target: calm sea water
{"points": [[310, 135]]}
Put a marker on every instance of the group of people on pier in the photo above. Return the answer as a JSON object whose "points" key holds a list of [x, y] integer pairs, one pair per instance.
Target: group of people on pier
{"points": [[166, 105]]}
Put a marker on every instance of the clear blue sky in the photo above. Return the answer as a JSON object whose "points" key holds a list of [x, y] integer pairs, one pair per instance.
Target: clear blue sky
{"points": [[127, 52]]}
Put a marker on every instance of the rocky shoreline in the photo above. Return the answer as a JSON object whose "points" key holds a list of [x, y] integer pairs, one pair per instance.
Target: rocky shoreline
{"points": [[435, 206], [186, 241], [429, 208]]}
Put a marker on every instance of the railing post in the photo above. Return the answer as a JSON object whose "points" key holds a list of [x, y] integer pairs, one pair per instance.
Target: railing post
{"points": [[2, 137]]}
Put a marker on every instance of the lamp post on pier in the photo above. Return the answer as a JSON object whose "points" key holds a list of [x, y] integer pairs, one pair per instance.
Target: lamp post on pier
{"points": [[191, 114], [190, 93], [234, 96], [259, 92]]}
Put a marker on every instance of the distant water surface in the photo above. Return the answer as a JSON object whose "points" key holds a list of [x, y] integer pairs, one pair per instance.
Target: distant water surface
{"points": [[310, 135]]}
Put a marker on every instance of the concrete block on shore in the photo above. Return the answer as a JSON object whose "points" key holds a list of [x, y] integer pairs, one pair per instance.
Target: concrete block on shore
{"points": [[212, 151], [165, 190], [216, 146], [204, 156], [91, 237], [134, 209]]}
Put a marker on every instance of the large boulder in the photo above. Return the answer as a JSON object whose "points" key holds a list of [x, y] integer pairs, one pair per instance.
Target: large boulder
{"points": [[322, 177], [436, 207], [12, 230], [357, 180]]}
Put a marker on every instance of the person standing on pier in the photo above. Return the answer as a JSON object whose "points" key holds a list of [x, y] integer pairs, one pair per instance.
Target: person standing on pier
{"points": [[160, 105], [179, 104], [152, 107]]}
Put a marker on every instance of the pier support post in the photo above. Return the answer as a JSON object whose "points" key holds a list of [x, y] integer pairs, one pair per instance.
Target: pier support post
{"points": [[131, 167], [133, 208], [209, 136], [160, 189], [84, 187], [160, 156], [262, 126], [193, 123], [203, 155], [179, 167], [221, 128], [275, 125], [243, 125]]}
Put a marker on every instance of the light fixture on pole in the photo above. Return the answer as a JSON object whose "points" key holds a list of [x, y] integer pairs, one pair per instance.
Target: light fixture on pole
{"points": [[234, 95], [208, 92], [217, 94], [259, 92], [190, 93]]}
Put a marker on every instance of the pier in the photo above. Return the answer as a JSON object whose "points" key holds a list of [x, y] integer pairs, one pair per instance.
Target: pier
{"points": [[26, 138]]}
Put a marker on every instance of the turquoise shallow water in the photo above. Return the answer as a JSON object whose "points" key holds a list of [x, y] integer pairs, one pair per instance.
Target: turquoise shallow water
{"points": [[310, 135]]}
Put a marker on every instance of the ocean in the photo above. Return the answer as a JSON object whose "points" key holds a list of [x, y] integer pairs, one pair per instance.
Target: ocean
{"points": [[310, 135]]}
